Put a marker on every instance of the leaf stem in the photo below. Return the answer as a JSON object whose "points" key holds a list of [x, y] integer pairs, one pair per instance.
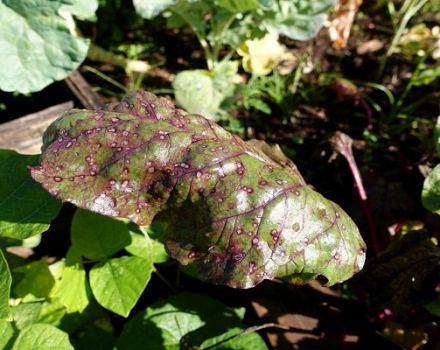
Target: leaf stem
{"points": [[164, 280], [342, 144]]}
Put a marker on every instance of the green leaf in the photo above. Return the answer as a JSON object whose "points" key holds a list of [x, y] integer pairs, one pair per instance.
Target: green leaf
{"points": [[73, 291], [46, 52], [25, 210], [96, 236], [183, 320], [144, 247], [83, 9], [239, 5], [5, 287], [433, 307], [42, 337], [297, 19], [437, 136], [231, 210], [118, 283], [195, 92], [426, 76], [151, 8], [431, 191], [37, 281], [235, 339], [26, 314], [202, 92], [52, 311], [6, 334]]}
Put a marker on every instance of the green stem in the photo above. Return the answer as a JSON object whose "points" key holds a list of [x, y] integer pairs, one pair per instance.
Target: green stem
{"points": [[164, 280], [105, 77], [409, 8], [218, 35]]}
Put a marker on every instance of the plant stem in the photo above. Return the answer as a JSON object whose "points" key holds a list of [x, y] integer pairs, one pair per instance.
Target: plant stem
{"points": [[97, 53], [409, 9], [342, 144], [164, 280], [105, 77]]}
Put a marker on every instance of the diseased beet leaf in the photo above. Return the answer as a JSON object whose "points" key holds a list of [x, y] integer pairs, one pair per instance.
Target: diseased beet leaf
{"points": [[236, 212]]}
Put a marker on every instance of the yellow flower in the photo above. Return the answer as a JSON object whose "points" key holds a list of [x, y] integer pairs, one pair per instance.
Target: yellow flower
{"points": [[261, 56]]}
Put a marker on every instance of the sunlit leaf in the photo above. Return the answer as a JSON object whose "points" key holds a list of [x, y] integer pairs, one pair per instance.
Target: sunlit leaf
{"points": [[118, 283], [46, 51], [42, 337], [228, 209], [73, 290]]}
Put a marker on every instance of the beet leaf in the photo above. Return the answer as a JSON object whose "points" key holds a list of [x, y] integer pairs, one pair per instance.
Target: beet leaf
{"points": [[235, 212]]}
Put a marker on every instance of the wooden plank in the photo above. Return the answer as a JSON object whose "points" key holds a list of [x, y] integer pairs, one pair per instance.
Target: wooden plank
{"points": [[25, 134]]}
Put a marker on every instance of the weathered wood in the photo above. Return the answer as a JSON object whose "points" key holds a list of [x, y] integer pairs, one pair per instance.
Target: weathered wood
{"points": [[25, 134], [83, 91]]}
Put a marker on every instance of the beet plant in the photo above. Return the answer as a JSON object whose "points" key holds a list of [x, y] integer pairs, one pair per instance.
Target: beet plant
{"points": [[231, 212]]}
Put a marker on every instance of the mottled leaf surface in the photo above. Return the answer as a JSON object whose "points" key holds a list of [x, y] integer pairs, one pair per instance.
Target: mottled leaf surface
{"points": [[228, 209]]}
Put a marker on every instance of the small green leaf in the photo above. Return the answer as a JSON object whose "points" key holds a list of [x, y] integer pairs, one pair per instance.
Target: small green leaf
{"points": [[46, 50], [151, 8], [118, 283], [195, 92], [202, 91], [96, 236], [426, 76], [178, 321], [431, 191], [6, 334], [42, 337], [73, 290], [37, 281], [433, 307], [5, 287], [144, 247], [25, 210]]}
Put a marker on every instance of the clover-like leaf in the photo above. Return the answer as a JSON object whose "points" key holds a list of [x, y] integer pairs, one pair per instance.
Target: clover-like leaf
{"points": [[229, 210]]}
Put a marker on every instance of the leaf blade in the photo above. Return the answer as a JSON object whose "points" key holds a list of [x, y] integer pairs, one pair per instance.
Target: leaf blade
{"points": [[229, 210], [25, 210], [118, 283]]}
